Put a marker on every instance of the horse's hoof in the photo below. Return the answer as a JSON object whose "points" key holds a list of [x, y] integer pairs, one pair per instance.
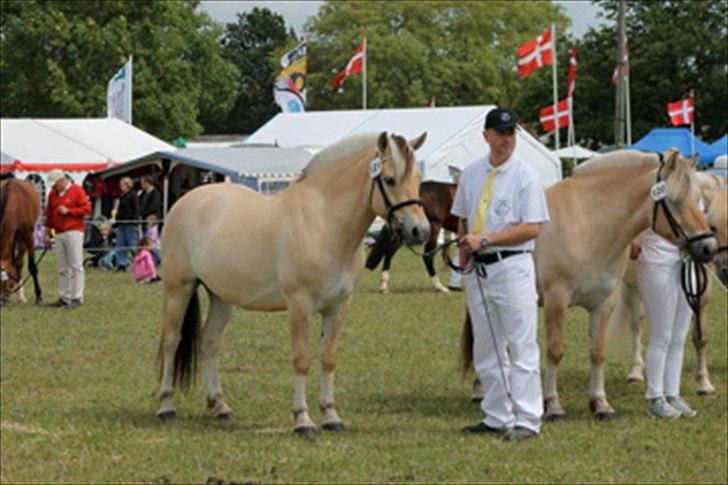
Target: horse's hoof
{"points": [[165, 416], [635, 380], [305, 431], [605, 416], [476, 400], [551, 418], [229, 416], [337, 427], [383, 291], [705, 392]]}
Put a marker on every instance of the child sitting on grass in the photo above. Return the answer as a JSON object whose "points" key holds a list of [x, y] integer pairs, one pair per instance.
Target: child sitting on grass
{"points": [[143, 268]]}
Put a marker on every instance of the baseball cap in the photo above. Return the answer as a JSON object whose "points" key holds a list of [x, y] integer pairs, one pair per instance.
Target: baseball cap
{"points": [[54, 176], [500, 119]]}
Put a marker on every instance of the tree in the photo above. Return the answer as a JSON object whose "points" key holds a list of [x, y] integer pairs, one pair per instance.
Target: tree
{"points": [[57, 58], [461, 52], [673, 47], [250, 43]]}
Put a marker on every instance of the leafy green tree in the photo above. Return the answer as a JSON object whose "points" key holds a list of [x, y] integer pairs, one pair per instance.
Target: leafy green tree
{"points": [[249, 43], [57, 58], [673, 47], [461, 52]]}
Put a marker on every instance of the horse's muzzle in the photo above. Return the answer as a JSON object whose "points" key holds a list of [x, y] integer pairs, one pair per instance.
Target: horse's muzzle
{"points": [[413, 232], [703, 248]]}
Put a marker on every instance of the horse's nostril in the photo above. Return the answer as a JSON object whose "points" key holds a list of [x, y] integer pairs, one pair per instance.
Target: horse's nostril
{"points": [[415, 233]]}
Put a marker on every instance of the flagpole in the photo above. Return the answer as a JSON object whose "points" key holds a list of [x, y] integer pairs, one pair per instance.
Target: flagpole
{"points": [[692, 126], [129, 87], [556, 93], [629, 110], [364, 79]]}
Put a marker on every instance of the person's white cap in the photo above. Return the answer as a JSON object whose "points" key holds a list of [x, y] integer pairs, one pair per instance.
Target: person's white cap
{"points": [[54, 176]]}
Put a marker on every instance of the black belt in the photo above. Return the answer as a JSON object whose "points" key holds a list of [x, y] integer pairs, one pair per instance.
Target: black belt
{"points": [[495, 257]]}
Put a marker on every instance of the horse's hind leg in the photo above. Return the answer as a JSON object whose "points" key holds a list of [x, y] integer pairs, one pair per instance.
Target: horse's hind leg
{"points": [[332, 319], [217, 318], [555, 302], [700, 342], [631, 299], [598, 322]]}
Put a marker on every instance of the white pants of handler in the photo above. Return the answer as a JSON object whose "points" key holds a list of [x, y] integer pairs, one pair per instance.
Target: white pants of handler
{"points": [[510, 292], [69, 260], [669, 316]]}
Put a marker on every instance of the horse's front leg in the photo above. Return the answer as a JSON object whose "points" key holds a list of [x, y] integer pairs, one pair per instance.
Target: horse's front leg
{"points": [[33, 270], [428, 258], [633, 303], [700, 342], [598, 323], [299, 317], [332, 319], [555, 302]]}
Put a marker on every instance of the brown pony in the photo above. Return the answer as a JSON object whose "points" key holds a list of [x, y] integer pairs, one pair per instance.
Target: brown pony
{"points": [[581, 254], [19, 210], [299, 251], [437, 200]]}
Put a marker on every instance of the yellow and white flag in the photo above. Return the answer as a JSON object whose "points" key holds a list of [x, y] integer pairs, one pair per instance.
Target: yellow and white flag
{"points": [[289, 89], [118, 94]]}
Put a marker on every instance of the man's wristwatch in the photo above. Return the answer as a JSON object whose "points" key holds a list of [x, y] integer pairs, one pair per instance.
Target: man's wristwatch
{"points": [[484, 243]]}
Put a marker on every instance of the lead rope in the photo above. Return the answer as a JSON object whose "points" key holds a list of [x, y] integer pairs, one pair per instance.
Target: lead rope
{"points": [[694, 281]]}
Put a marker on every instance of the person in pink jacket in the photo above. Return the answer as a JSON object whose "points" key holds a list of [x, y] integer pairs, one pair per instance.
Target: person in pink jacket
{"points": [[143, 268]]}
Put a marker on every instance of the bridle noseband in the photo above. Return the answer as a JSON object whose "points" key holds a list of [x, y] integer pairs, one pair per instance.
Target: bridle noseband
{"points": [[391, 208]]}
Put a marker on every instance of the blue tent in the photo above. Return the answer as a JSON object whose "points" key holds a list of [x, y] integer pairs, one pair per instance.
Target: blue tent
{"points": [[718, 147], [660, 139]]}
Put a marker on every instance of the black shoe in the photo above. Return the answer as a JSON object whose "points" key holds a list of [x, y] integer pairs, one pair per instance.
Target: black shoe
{"points": [[59, 303], [519, 433], [74, 304], [480, 428]]}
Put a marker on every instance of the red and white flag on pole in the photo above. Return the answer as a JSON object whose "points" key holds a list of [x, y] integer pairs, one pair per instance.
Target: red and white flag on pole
{"points": [[571, 79], [681, 112], [616, 76], [546, 116], [535, 53], [354, 66]]}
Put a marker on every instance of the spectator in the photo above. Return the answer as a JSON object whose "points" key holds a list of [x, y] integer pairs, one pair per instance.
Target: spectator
{"points": [[150, 200], [143, 267], [153, 237], [127, 226]]}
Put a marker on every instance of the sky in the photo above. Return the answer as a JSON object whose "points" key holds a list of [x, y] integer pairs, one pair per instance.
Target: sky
{"points": [[582, 12]]}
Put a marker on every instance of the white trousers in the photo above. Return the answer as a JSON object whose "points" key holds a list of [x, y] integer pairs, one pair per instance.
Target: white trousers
{"points": [[69, 260], [511, 312], [668, 315]]}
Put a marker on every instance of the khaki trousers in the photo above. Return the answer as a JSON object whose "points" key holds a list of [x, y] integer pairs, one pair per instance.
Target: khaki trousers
{"points": [[69, 260]]}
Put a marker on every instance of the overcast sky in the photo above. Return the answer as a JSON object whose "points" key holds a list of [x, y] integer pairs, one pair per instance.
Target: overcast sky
{"points": [[582, 12]]}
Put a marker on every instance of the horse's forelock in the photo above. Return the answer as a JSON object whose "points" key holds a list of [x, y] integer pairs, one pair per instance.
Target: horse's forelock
{"points": [[407, 156], [682, 181]]}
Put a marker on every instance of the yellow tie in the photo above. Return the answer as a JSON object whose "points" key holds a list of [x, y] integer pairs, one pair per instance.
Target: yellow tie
{"points": [[482, 214]]}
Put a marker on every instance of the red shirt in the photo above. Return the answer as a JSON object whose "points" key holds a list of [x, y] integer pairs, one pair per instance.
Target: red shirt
{"points": [[76, 201]]}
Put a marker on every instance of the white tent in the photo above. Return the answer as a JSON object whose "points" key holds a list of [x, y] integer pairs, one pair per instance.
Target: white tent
{"points": [[33, 147], [454, 136], [575, 151]]}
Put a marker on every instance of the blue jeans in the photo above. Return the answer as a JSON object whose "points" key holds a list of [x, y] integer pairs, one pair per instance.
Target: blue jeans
{"points": [[127, 238]]}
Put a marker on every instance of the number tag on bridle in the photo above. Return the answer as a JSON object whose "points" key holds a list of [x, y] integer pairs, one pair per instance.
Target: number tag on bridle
{"points": [[4, 275], [658, 191], [375, 168]]}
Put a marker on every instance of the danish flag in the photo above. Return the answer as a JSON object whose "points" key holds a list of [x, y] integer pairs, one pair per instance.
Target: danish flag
{"points": [[681, 112], [546, 116], [535, 53], [354, 66], [571, 79]]}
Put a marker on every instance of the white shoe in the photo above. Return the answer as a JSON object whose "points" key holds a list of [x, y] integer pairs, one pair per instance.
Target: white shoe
{"points": [[681, 406], [659, 408]]}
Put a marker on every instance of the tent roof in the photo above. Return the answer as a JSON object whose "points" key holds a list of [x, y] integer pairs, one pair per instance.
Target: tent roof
{"points": [[575, 151], [272, 162], [454, 135], [718, 147], [660, 139], [82, 144]]}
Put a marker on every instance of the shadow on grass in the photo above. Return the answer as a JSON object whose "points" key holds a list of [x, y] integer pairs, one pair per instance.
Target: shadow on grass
{"points": [[422, 404]]}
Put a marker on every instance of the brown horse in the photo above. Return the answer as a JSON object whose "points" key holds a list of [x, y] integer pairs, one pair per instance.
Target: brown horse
{"points": [[19, 210], [300, 250], [437, 200], [581, 254]]}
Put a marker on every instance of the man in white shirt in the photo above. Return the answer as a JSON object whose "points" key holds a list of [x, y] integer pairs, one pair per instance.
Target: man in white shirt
{"points": [[501, 206]]}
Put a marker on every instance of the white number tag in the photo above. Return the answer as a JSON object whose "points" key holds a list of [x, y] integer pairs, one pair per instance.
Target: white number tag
{"points": [[4, 276], [658, 191], [375, 168]]}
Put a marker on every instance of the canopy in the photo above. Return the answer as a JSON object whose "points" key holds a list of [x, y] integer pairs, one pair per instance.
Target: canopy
{"points": [[454, 136], [661, 139], [575, 151], [718, 147]]}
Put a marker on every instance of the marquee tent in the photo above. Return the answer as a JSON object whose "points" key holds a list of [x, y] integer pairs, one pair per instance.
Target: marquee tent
{"points": [[575, 151], [718, 147], [660, 139], [454, 136]]}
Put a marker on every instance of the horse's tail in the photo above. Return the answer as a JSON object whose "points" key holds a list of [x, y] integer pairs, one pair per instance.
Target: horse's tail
{"points": [[185, 358], [466, 345], [382, 246]]}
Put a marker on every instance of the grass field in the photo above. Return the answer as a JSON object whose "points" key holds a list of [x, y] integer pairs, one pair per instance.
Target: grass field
{"points": [[78, 400]]}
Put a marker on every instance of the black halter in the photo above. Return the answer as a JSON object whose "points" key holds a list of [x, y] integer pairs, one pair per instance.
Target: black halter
{"points": [[391, 208]]}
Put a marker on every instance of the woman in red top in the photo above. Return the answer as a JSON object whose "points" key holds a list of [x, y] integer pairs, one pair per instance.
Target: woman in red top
{"points": [[67, 208]]}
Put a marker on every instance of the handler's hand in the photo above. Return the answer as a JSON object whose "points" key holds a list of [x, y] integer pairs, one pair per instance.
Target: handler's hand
{"points": [[471, 243], [47, 241], [63, 209]]}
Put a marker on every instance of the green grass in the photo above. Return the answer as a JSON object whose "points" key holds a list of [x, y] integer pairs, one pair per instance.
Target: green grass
{"points": [[78, 400]]}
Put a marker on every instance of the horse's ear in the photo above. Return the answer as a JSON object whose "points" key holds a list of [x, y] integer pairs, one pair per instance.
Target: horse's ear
{"points": [[671, 157], [694, 161], [419, 141], [383, 142]]}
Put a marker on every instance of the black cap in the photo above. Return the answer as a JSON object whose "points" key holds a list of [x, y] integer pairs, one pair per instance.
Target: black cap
{"points": [[500, 119]]}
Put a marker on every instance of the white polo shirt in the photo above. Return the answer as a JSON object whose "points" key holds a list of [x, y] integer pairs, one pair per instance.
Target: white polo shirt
{"points": [[517, 197]]}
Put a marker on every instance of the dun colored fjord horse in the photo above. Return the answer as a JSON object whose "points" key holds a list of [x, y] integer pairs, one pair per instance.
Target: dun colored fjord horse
{"points": [[437, 200], [19, 210], [629, 306], [300, 251], [581, 254]]}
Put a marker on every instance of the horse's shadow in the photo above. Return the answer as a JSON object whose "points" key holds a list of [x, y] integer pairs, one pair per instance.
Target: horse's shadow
{"points": [[455, 405]]}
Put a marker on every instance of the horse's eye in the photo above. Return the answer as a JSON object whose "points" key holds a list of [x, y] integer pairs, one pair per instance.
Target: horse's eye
{"points": [[389, 181], [713, 229]]}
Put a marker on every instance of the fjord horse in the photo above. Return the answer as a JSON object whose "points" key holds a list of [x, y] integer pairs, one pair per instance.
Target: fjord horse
{"points": [[19, 210], [581, 253], [437, 200], [629, 306], [300, 250]]}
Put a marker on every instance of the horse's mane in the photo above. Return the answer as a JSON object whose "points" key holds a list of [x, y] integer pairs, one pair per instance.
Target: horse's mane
{"points": [[617, 159], [339, 150]]}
